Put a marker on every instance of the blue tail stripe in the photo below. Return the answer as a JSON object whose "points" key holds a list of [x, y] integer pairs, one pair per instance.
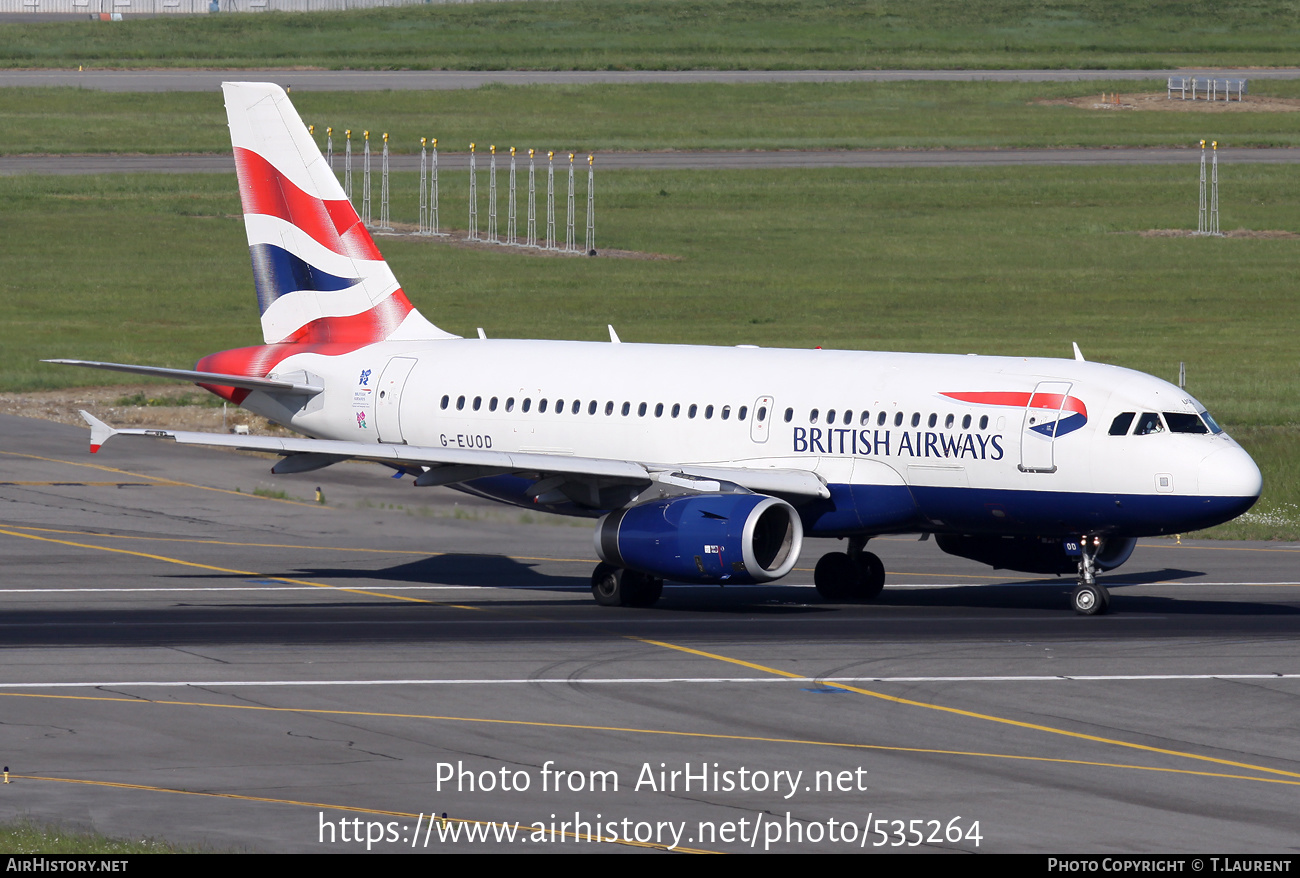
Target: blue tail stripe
{"points": [[276, 272]]}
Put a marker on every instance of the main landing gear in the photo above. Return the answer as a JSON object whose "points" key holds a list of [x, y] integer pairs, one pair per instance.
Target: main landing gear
{"points": [[1089, 598], [855, 575], [616, 587]]}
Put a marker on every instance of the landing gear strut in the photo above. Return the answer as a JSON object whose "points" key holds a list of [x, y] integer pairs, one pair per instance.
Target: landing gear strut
{"points": [[856, 575], [1089, 598], [616, 587]]}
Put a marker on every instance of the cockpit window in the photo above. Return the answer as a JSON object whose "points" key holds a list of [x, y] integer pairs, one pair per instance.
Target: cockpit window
{"points": [[1211, 423], [1148, 423], [1119, 426], [1184, 422]]}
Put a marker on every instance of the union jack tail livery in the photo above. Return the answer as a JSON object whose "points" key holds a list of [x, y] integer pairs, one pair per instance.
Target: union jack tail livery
{"points": [[318, 274]]}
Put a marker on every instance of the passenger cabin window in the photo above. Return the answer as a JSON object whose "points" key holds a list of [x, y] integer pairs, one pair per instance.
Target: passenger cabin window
{"points": [[898, 419], [591, 407], [478, 402], [460, 403], [640, 410], [659, 410], [577, 406], [726, 412], [830, 416], [947, 422], [445, 399], [1119, 426], [627, 409], [812, 416], [1148, 423], [848, 416], [740, 415], [690, 412], [880, 419], [677, 409], [510, 404], [916, 419], [934, 419], [866, 419], [492, 404], [1182, 422], [541, 404], [789, 415], [984, 422], [609, 408], [528, 403], [708, 412], [965, 422]]}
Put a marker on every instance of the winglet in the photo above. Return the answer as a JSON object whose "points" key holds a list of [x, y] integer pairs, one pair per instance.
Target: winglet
{"points": [[1078, 354], [99, 431], [613, 336]]}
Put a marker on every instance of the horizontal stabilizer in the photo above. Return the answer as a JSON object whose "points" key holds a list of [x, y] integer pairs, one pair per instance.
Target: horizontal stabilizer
{"points": [[216, 379]]}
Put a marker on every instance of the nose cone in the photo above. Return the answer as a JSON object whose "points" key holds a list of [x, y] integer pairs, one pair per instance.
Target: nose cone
{"points": [[1230, 475]]}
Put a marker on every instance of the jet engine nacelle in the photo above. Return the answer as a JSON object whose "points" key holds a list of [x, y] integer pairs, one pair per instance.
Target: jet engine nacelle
{"points": [[1031, 554], [731, 538]]}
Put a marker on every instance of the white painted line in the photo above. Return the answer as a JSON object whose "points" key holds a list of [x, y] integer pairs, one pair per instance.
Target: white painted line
{"points": [[1078, 678], [378, 585]]}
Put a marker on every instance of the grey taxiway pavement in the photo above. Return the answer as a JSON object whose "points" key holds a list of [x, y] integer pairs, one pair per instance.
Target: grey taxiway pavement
{"points": [[184, 658], [434, 80]]}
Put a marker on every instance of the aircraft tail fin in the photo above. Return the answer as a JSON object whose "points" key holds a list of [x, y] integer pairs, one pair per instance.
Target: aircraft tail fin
{"points": [[318, 274]]}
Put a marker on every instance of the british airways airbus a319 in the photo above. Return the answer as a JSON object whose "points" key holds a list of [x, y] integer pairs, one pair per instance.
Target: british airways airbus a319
{"points": [[701, 464]]}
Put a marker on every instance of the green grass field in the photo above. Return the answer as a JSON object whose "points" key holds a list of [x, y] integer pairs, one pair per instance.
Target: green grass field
{"points": [[652, 116], [683, 34], [1012, 260]]}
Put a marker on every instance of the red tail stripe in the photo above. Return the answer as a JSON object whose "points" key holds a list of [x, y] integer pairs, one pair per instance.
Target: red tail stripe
{"points": [[367, 327], [258, 361], [332, 224], [1018, 399]]}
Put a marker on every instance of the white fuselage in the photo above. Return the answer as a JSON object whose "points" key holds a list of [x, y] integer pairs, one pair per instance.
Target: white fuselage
{"points": [[856, 419]]}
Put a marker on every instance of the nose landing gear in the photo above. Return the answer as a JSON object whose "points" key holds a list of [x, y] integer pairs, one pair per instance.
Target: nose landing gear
{"points": [[1089, 598]]}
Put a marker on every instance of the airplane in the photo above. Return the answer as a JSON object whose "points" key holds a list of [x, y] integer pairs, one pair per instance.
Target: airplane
{"points": [[700, 464]]}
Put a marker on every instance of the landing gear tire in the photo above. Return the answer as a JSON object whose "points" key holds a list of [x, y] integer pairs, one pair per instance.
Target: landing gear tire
{"points": [[871, 576], [1090, 600], [616, 587], [840, 576], [836, 576], [645, 591]]}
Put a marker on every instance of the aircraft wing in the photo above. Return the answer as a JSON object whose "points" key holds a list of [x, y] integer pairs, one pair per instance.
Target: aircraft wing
{"points": [[454, 465]]}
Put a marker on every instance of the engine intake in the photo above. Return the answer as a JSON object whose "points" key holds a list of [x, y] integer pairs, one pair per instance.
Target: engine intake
{"points": [[734, 538]]}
